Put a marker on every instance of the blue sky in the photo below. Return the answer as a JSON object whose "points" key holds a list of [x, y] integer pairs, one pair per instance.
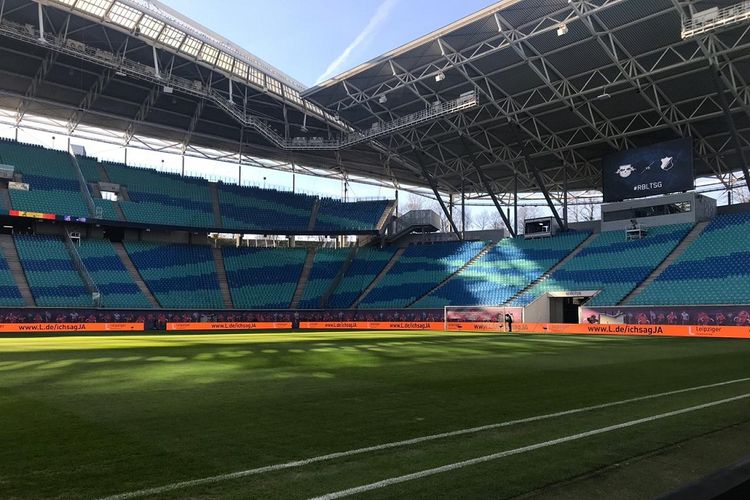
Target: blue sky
{"points": [[304, 37]]}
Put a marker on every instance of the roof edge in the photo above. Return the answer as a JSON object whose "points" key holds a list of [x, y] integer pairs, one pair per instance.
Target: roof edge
{"points": [[434, 35]]}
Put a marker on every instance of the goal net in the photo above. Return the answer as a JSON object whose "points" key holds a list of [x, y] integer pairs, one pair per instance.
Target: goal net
{"points": [[479, 318]]}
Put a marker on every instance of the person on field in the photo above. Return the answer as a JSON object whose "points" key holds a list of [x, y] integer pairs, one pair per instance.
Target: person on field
{"points": [[509, 321]]}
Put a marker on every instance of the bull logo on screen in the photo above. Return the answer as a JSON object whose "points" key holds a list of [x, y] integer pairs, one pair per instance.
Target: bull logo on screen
{"points": [[662, 168], [625, 170]]}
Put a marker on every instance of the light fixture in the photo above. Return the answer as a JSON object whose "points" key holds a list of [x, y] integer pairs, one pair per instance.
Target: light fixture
{"points": [[120, 72], [563, 29], [440, 77], [603, 96], [382, 99]]}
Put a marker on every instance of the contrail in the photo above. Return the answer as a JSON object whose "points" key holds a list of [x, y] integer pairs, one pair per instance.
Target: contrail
{"points": [[375, 21]]}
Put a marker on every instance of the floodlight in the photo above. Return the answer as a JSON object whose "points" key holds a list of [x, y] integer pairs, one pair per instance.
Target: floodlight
{"points": [[563, 29], [440, 77], [382, 99]]}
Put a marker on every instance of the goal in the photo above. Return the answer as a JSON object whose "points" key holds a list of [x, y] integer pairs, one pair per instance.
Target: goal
{"points": [[479, 318]]}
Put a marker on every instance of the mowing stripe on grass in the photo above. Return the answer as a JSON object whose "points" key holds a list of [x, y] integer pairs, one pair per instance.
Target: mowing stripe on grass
{"points": [[394, 444], [517, 451]]}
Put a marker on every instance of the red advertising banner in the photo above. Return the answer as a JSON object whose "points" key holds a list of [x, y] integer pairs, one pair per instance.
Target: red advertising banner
{"points": [[742, 332], [371, 325], [70, 327], [235, 325], [488, 326], [33, 215]]}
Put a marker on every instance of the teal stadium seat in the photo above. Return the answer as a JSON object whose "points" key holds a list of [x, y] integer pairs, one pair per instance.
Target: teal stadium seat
{"points": [[52, 276], [509, 267], [263, 278], [419, 269], [179, 276], [53, 184], [366, 265], [714, 269], [163, 198], [111, 277], [326, 266], [611, 264], [10, 296]]}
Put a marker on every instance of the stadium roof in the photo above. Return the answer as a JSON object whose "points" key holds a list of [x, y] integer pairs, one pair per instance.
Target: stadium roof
{"points": [[557, 83]]}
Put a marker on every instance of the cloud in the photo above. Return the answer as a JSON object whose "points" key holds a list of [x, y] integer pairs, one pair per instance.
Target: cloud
{"points": [[372, 25]]}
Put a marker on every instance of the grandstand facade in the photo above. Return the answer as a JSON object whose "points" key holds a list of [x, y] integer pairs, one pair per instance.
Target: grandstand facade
{"points": [[494, 105]]}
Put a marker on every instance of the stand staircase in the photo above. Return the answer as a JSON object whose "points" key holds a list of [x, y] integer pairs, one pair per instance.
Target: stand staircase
{"points": [[376, 280], [554, 268], [689, 238]]}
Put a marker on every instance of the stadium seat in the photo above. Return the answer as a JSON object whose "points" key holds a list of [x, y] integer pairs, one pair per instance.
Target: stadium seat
{"points": [[326, 266], [179, 276], [109, 274], [337, 215], [419, 269], [51, 176], [52, 276], [714, 269], [263, 277], [366, 265], [611, 264], [254, 208], [505, 270]]}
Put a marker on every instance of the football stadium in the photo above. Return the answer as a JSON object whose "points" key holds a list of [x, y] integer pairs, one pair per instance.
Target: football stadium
{"points": [[175, 325]]}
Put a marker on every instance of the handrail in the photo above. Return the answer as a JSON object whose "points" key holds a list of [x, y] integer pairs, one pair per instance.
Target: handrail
{"points": [[96, 295], [709, 19], [83, 184]]}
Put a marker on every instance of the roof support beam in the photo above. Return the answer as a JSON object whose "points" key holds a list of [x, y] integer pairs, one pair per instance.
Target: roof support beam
{"points": [[47, 63], [730, 121], [435, 191], [142, 113], [485, 180], [193, 123], [540, 182], [88, 100]]}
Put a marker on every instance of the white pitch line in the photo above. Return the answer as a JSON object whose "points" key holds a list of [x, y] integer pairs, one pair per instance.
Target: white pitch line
{"points": [[395, 444], [516, 451]]}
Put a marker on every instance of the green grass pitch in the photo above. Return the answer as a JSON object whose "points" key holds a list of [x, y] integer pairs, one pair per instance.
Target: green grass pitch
{"points": [[92, 417]]}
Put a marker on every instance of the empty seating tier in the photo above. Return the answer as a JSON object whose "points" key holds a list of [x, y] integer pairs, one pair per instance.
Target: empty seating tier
{"points": [[362, 215], [714, 269], [505, 270], [158, 197], [611, 264], [419, 269], [366, 265], [179, 276], [263, 278], [53, 278], [109, 274], [326, 266], [10, 296], [254, 208], [50, 174]]}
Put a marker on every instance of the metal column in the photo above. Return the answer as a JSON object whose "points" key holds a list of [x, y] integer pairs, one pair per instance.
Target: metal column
{"points": [[486, 183], [715, 72], [433, 185], [537, 177]]}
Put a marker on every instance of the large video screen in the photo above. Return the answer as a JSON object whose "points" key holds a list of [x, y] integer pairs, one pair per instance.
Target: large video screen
{"points": [[666, 167]]}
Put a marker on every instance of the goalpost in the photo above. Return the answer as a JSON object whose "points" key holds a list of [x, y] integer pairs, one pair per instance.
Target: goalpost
{"points": [[480, 318]]}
